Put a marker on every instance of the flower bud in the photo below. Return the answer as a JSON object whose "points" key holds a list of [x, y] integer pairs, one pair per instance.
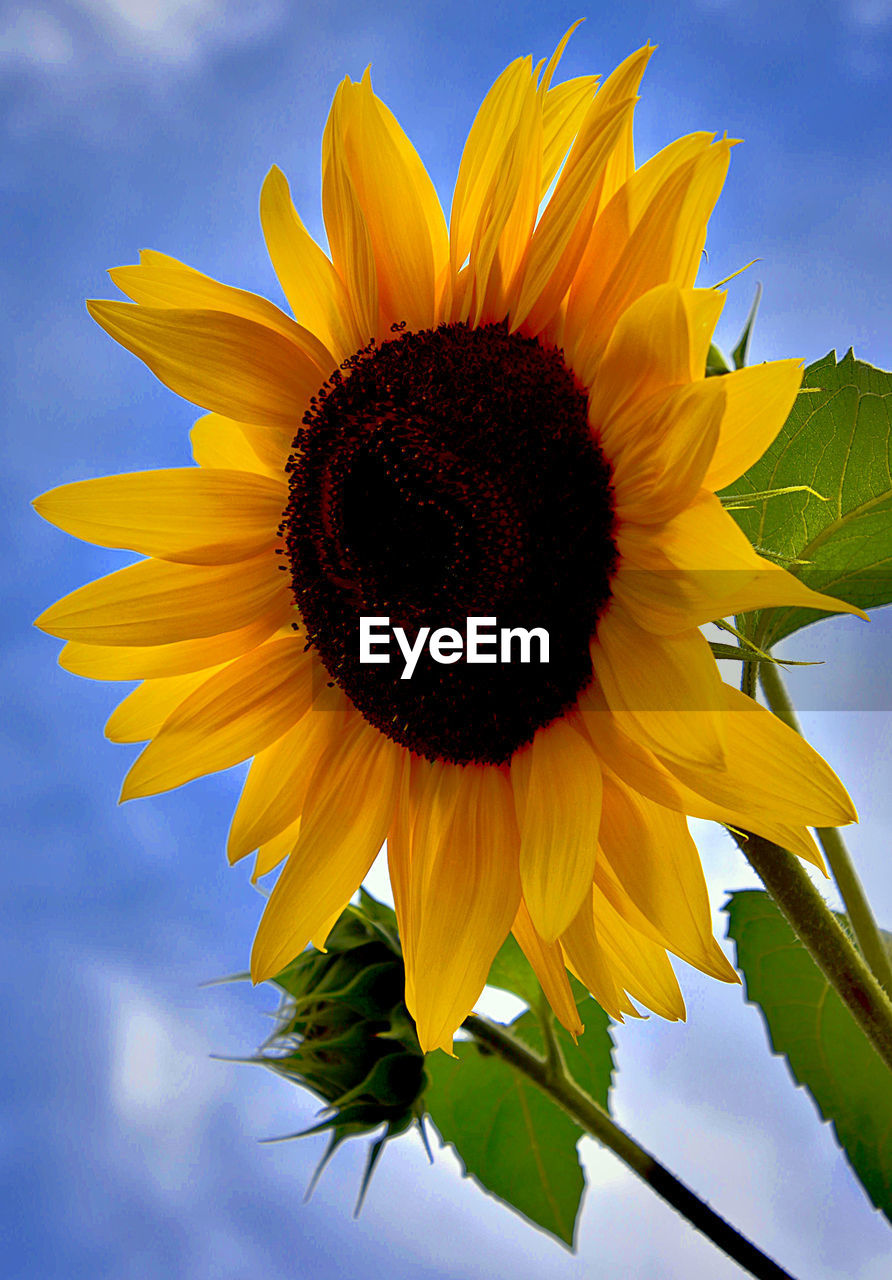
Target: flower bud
{"points": [[344, 1033]]}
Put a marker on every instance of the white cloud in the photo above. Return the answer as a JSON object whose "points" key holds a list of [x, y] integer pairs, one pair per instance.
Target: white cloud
{"points": [[102, 33], [160, 1082], [180, 31], [151, 1064], [81, 64], [32, 36]]}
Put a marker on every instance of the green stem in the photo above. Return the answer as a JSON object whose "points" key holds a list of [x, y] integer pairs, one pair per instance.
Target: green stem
{"points": [[554, 1059], [821, 933], [748, 674], [851, 890], [596, 1122]]}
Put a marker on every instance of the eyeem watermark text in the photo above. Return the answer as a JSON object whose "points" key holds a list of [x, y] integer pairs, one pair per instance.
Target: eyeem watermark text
{"points": [[483, 642]]}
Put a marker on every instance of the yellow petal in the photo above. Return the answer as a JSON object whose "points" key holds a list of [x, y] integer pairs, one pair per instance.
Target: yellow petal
{"points": [[320, 937], [509, 211], [345, 224], [668, 241], [796, 840], [685, 572], [160, 281], [483, 155], [644, 238], [695, 200], [609, 169], [413, 782], [715, 963], [155, 602], [659, 468], [653, 859], [665, 691], [497, 192], [236, 713], [269, 855], [348, 810], [587, 961], [642, 771], [557, 789], [222, 362], [146, 662], [622, 83], [428, 797], [773, 586], [556, 247], [564, 110], [274, 791], [315, 291], [759, 400], [554, 61], [628, 757], [773, 766], [657, 344], [423, 187], [547, 961], [222, 444], [186, 514], [639, 966], [705, 306], [466, 892], [615, 224], [399, 207], [143, 712], [699, 566]]}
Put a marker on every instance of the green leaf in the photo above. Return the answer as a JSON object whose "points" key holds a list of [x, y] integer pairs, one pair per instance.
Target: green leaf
{"points": [[836, 441], [825, 1049], [511, 1138], [511, 971], [590, 1061]]}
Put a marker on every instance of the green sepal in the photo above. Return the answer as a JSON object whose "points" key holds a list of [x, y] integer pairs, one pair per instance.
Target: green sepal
{"points": [[389, 1081], [741, 351], [737, 654], [716, 364], [716, 361]]}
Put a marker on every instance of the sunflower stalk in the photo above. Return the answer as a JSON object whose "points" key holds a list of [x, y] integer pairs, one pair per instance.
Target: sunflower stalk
{"points": [[821, 933], [749, 670], [554, 1059], [550, 1075], [861, 918]]}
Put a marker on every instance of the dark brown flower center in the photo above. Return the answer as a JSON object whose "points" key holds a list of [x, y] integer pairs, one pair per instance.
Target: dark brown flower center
{"points": [[447, 475]]}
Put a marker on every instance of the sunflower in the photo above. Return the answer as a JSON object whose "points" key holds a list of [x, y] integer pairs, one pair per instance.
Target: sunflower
{"points": [[506, 418]]}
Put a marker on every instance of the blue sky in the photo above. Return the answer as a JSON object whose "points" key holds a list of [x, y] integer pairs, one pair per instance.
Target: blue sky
{"points": [[125, 1151]]}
